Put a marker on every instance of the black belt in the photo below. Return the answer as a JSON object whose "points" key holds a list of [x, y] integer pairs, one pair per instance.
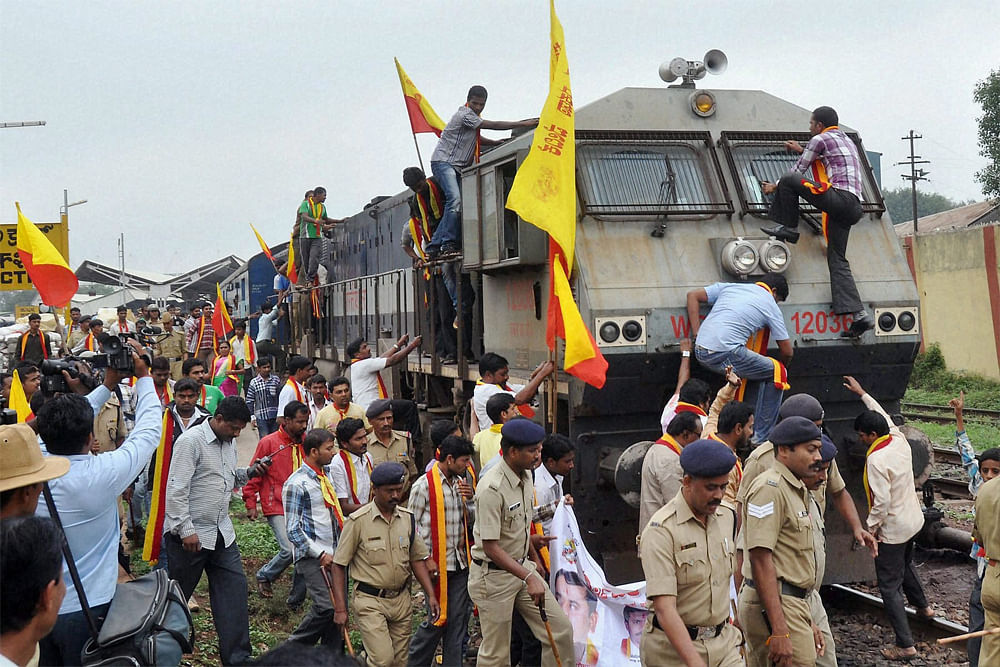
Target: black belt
{"points": [[368, 589], [490, 565], [697, 632], [786, 589]]}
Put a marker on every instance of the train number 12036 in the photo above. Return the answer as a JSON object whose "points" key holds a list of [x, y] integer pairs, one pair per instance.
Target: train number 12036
{"points": [[820, 322]]}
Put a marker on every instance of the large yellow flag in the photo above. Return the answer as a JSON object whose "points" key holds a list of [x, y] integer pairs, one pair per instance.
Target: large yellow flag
{"points": [[18, 399], [544, 190], [544, 194]]}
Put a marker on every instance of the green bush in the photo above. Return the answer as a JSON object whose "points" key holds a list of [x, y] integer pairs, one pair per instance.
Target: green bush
{"points": [[932, 382]]}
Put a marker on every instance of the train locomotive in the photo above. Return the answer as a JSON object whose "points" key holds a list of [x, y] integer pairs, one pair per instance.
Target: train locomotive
{"points": [[669, 200]]}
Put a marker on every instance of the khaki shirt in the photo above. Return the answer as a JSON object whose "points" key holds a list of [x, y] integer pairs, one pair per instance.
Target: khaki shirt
{"points": [[74, 337], [819, 539], [504, 505], [689, 560], [776, 517], [109, 425], [762, 458], [987, 530], [398, 450], [378, 551], [661, 480], [172, 347], [329, 416]]}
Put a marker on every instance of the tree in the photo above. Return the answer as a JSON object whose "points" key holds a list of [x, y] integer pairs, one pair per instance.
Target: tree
{"points": [[987, 94], [899, 203]]}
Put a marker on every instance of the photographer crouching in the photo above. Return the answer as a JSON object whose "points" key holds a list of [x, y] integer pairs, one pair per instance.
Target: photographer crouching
{"points": [[87, 497]]}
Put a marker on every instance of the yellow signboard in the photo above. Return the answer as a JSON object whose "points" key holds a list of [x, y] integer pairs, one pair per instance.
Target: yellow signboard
{"points": [[24, 311], [12, 273]]}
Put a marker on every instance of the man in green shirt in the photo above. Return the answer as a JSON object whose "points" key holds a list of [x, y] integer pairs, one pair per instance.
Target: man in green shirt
{"points": [[313, 220], [209, 395]]}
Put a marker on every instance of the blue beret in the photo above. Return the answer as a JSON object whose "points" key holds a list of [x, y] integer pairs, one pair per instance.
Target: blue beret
{"points": [[388, 472], [522, 432], [829, 451], [707, 458], [794, 430], [377, 407], [801, 405]]}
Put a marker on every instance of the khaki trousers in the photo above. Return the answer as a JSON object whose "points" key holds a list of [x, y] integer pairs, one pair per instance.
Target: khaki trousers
{"points": [[822, 621], [655, 650], [385, 625], [797, 616], [990, 652], [497, 593]]}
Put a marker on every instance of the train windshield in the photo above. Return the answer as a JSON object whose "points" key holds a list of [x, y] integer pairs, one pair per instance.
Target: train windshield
{"points": [[648, 175]]}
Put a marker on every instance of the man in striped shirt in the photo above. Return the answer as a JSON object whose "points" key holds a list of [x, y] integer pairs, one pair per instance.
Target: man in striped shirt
{"points": [[262, 398], [313, 531], [833, 185]]}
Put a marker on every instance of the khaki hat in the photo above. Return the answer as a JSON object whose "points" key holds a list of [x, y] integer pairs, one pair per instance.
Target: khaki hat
{"points": [[21, 460]]}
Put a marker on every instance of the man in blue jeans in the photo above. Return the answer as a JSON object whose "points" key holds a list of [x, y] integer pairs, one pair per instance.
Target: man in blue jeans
{"points": [[739, 311], [457, 149]]}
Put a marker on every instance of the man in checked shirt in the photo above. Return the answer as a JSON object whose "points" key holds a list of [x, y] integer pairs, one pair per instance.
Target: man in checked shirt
{"points": [[838, 196]]}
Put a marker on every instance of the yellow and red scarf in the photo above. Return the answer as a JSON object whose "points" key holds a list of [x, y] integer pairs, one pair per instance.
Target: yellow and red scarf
{"points": [[42, 339], [249, 349], [382, 391], [880, 443], [352, 475], [329, 495], [689, 407], [536, 529], [201, 336], [669, 441], [820, 182], [157, 506], [290, 382], [439, 537], [122, 326], [166, 395], [758, 343], [523, 410], [317, 210], [738, 467]]}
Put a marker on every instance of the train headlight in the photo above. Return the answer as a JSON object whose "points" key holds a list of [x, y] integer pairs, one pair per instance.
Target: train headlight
{"points": [[609, 332], [739, 257], [702, 103], [906, 320], [632, 331], [775, 256], [887, 321]]}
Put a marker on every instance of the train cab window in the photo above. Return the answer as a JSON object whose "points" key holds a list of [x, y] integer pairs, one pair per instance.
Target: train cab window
{"points": [[755, 157], [649, 174], [506, 241], [509, 236], [488, 199]]}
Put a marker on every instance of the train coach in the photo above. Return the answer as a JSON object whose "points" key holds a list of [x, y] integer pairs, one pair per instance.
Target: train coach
{"points": [[669, 199]]}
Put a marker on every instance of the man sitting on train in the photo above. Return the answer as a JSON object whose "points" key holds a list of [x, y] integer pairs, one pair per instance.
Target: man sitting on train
{"points": [[740, 311], [834, 187]]}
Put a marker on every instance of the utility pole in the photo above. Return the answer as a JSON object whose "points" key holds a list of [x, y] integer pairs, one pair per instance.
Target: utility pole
{"points": [[24, 123], [915, 174]]}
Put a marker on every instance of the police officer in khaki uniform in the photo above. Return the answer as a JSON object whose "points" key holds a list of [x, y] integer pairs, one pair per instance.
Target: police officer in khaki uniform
{"points": [[688, 555], [386, 444], [819, 617], [172, 347], [987, 533], [383, 549], [503, 576], [780, 571]]}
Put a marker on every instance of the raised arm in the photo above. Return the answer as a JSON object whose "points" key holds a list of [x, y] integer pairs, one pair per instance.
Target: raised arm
{"points": [[401, 349], [545, 369], [695, 298]]}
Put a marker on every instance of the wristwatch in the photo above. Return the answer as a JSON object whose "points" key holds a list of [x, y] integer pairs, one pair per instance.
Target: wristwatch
{"points": [[686, 353]]}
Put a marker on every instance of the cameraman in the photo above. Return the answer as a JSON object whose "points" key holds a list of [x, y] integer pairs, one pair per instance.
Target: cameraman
{"points": [[87, 499]]}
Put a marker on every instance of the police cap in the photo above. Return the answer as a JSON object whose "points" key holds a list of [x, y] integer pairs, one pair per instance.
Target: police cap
{"points": [[794, 430], [388, 472], [522, 432], [707, 458], [801, 405], [829, 450], [378, 407]]}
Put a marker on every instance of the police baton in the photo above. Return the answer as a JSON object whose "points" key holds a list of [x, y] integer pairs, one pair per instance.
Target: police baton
{"points": [[548, 631], [333, 601]]}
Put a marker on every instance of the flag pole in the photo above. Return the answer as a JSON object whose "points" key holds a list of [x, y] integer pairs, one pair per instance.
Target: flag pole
{"points": [[417, 146], [553, 390]]}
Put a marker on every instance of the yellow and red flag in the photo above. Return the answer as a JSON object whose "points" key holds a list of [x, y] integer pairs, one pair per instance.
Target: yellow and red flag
{"points": [[263, 246], [222, 324], [423, 118], [19, 401], [55, 281], [290, 272], [544, 194]]}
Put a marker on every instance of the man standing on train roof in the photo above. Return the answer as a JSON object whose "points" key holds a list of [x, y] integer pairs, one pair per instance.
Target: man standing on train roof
{"points": [[457, 149], [834, 186], [780, 573], [313, 220], [688, 557], [740, 312]]}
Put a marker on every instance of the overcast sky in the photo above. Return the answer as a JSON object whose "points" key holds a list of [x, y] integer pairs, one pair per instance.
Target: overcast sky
{"points": [[182, 122]]}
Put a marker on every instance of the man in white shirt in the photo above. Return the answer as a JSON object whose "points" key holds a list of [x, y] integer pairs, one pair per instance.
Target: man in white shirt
{"points": [[122, 325], [558, 453], [294, 388], [493, 373], [266, 333], [366, 382], [894, 518], [350, 470], [316, 386]]}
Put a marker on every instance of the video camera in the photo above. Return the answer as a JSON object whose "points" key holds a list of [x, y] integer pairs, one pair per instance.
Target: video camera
{"points": [[118, 353], [8, 416], [52, 380]]}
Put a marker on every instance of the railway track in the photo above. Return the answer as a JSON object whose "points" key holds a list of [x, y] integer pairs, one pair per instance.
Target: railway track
{"points": [[946, 455], [943, 414], [953, 488], [930, 628]]}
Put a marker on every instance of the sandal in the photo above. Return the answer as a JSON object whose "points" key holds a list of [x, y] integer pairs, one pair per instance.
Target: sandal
{"points": [[926, 612], [897, 653]]}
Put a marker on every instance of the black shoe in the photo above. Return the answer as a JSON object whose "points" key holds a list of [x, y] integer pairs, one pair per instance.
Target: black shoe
{"points": [[449, 248], [448, 360], [433, 252], [858, 327], [782, 232]]}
